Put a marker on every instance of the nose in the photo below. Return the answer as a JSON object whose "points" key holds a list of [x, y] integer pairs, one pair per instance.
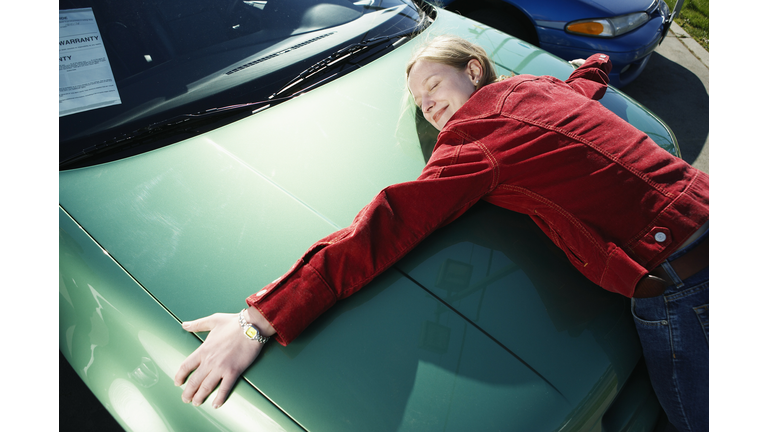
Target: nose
{"points": [[426, 104]]}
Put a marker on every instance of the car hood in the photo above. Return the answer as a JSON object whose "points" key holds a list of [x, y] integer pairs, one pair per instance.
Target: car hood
{"points": [[569, 10], [204, 223]]}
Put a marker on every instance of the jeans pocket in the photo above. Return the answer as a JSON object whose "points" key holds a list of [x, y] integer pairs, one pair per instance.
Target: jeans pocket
{"points": [[643, 314], [702, 312]]}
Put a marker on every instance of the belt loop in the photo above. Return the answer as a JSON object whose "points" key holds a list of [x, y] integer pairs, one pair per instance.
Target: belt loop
{"points": [[672, 273]]}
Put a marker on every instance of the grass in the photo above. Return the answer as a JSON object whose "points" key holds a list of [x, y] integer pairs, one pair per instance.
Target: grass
{"points": [[694, 19]]}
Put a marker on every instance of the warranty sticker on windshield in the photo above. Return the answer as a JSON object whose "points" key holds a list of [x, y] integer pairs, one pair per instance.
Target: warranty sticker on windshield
{"points": [[85, 77]]}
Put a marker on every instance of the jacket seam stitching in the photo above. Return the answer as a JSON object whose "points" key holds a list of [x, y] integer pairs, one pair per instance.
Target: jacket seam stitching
{"points": [[488, 155], [632, 243], [399, 255], [560, 210], [607, 266], [319, 276], [589, 144], [453, 124]]}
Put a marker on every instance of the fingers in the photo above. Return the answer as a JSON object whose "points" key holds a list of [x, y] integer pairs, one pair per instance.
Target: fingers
{"points": [[204, 381], [190, 391], [219, 361], [191, 363], [199, 325], [202, 384], [199, 387], [227, 383]]}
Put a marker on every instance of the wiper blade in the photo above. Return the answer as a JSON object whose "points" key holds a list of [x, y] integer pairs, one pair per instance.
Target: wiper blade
{"points": [[159, 130], [339, 57], [186, 122]]}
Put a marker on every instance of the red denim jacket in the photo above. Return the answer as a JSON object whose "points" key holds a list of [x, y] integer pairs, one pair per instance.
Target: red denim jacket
{"points": [[615, 202]]}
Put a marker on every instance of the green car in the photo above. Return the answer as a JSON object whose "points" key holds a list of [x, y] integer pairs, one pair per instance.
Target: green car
{"points": [[206, 144]]}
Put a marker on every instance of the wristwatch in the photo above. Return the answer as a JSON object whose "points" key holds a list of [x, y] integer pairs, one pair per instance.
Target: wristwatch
{"points": [[250, 330]]}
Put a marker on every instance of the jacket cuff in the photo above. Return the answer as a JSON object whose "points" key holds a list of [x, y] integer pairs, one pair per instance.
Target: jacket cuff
{"points": [[591, 78], [290, 304], [622, 273]]}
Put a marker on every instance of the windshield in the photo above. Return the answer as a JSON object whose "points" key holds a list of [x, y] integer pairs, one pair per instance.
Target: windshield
{"points": [[125, 65]]}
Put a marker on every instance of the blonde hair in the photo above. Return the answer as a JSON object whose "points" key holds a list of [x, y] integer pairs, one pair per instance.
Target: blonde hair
{"points": [[456, 52]]}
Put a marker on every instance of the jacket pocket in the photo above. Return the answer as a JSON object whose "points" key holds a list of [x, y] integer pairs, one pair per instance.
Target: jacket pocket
{"points": [[575, 258]]}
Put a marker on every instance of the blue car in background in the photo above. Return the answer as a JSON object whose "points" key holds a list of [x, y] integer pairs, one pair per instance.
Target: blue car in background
{"points": [[627, 30]]}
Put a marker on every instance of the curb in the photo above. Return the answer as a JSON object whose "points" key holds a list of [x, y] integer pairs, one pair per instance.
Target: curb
{"points": [[690, 43]]}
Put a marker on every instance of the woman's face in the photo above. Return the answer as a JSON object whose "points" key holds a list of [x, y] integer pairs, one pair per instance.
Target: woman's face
{"points": [[440, 90]]}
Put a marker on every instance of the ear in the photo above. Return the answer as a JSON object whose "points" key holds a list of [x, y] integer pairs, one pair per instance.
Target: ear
{"points": [[474, 70]]}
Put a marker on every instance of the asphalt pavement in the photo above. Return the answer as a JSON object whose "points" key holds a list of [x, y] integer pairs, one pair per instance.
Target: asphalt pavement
{"points": [[674, 85]]}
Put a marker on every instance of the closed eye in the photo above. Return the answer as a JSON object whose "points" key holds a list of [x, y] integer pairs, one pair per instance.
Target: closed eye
{"points": [[430, 88]]}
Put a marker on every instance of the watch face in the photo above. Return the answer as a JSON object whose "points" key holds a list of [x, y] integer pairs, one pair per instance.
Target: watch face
{"points": [[251, 332]]}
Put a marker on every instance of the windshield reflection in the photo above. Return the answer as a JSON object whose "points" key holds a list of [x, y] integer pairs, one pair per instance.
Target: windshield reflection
{"points": [[172, 57]]}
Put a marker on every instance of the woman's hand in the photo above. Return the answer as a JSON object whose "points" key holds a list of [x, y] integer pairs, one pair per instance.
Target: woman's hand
{"points": [[577, 63], [222, 357]]}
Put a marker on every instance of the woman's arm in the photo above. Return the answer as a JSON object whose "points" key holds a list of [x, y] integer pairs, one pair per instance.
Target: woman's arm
{"points": [[397, 219], [337, 266], [591, 78]]}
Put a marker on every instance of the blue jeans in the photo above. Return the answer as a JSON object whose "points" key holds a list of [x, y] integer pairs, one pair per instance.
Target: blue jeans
{"points": [[674, 333]]}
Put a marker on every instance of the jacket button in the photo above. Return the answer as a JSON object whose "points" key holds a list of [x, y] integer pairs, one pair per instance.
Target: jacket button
{"points": [[660, 237]]}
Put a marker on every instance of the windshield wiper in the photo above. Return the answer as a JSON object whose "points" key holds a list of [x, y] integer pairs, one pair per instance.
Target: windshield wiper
{"points": [[186, 122], [165, 128], [337, 58], [173, 126]]}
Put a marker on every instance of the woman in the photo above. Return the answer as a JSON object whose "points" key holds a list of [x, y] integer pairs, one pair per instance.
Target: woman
{"points": [[629, 216]]}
